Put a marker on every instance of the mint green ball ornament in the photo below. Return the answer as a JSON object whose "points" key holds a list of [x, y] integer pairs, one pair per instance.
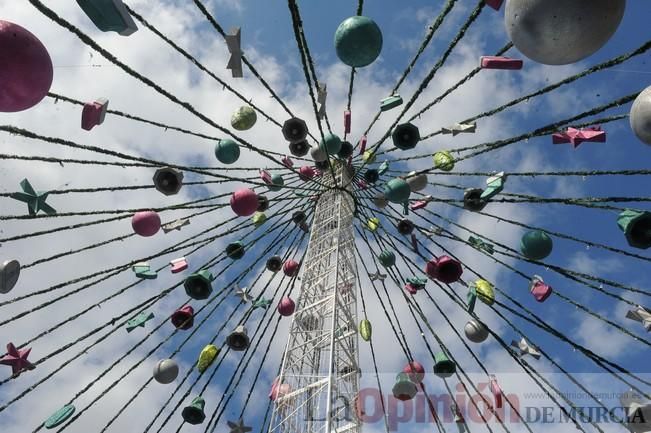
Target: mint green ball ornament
{"points": [[276, 182], [227, 151], [397, 191], [331, 143], [358, 41]]}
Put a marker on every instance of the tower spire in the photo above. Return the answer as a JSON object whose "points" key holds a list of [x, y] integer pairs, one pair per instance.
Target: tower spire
{"points": [[319, 379]]}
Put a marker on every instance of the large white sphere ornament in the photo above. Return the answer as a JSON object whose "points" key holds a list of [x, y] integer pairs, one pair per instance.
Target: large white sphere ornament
{"points": [[640, 117], [559, 32]]}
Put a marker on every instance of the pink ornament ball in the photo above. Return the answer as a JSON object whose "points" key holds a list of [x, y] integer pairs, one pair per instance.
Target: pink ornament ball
{"points": [[415, 371], [146, 223], [244, 202], [290, 268], [25, 68], [286, 306], [306, 172]]}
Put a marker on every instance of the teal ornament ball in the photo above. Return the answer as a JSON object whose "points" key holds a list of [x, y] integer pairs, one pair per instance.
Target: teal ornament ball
{"points": [[276, 182], [331, 144], [227, 151], [397, 191], [536, 245], [244, 118], [358, 41]]}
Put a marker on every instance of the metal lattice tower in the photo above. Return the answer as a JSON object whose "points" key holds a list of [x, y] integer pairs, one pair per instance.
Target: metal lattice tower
{"points": [[319, 378]]}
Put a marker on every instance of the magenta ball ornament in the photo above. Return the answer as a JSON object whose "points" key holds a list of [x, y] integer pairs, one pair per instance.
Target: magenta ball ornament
{"points": [[25, 68], [286, 306], [244, 202], [145, 223], [290, 268]]}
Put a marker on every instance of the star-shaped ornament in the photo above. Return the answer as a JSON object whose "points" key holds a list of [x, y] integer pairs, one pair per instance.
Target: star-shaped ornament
{"points": [[377, 276], [459, 128], [593, 134], [243, 294], [642, 315], [139, 320], [17, 359], [481, 245], [523, 347], [35, 200], [238, 427], [175, 225], [261, 303], [433, 231]]}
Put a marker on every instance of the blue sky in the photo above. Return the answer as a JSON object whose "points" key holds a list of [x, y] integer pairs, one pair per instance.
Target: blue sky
{"points": [[269, 43]]}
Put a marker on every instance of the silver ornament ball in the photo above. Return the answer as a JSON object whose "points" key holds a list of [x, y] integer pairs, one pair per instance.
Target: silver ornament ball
{"points": [[166, 371], [475, 331], [318, 154], [640, 116], [416, 182], [560, 32]]}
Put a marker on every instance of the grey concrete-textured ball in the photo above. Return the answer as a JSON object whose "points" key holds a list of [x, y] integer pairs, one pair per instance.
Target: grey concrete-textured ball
{"points": [[559, 32], [416, 182], [475, 331], [641, 116], [318, 154], [166, 371]]}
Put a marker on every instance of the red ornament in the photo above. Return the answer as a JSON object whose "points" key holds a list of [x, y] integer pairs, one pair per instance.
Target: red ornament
{"points": [[146, 223], [495, 4], [286, 306], [306, 172], [415, 371], [244, 202], [445, 269], [17, 359], [290, 268], [183, 318], [26, 72]]}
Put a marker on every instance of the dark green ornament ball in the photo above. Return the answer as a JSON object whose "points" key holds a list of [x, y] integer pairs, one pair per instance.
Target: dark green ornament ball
{"points": [[536, 245]]}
